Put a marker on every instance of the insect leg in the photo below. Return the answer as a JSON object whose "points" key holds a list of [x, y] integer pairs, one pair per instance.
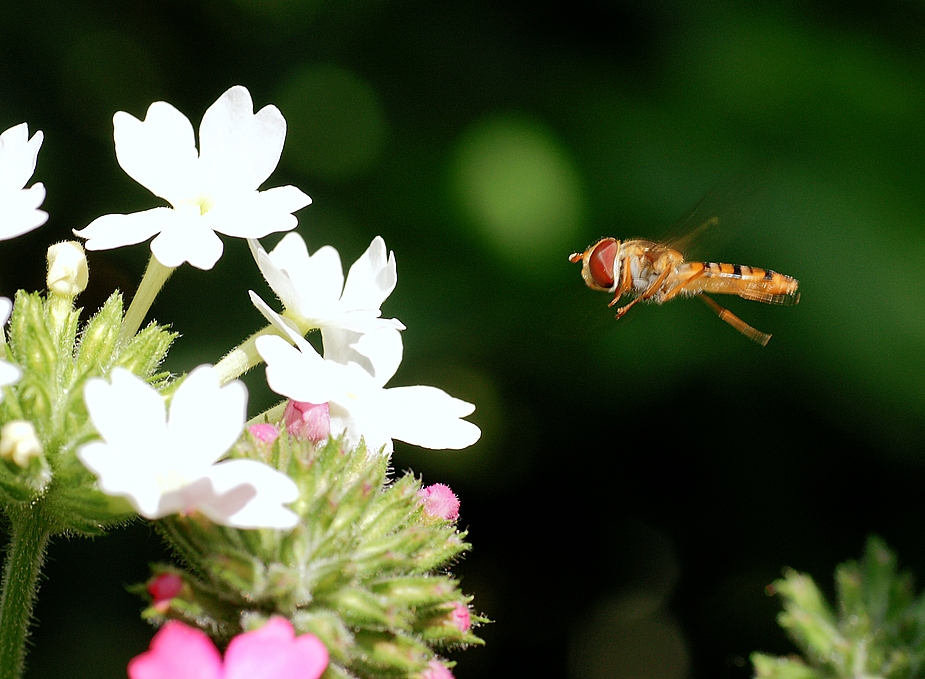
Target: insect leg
{"points": [[626, 282], [649, 292], [761, 338], [671, 292]]}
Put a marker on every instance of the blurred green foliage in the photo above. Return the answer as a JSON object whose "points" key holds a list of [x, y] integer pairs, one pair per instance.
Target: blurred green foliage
{"points": [[876, 628], [485, 141]]}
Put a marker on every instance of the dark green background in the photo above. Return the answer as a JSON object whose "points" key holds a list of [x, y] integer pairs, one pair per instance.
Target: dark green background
{"points": [[638, 483]]}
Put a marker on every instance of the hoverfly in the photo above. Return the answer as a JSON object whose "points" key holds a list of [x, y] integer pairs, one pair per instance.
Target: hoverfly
{"points": [[656, 272]]}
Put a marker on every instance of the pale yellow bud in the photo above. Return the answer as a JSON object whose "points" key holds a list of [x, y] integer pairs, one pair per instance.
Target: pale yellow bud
{"points": [[19, 442], [67, 269]]}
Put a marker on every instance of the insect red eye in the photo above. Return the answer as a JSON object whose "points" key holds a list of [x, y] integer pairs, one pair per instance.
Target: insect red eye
{"points": [[600, 263]]}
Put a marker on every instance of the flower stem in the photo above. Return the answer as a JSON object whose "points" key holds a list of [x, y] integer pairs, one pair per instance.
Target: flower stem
{"points": [[151, 283], [274, 414], [243, 357], [24, 558]]}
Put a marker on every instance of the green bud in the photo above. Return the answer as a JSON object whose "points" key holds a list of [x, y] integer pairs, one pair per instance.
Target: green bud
{"points": [[414, 591], [386, 652], [98, 342], [327, 625]]}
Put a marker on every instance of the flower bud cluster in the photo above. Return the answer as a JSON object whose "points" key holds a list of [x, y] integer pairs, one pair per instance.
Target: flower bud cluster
{"points": [[365, 571], [44, 415]]}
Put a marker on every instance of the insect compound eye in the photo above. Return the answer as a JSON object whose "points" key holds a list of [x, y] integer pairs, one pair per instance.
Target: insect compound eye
{"points": [[600, 263]]}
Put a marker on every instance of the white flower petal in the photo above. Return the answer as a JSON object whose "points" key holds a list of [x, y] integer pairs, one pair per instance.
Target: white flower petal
{"points": [[297, 374], [356, 420], [378, 352], [320, 273], [239, 149], [187, 239], [428, 417], [372, 278], [160, 152], [248, 494], [127, 412], [115, 231], [18, 156], [256, 214], [19, 211], [126, 476], [200, 398], [279, 280], [281, 323], [9, 374]]}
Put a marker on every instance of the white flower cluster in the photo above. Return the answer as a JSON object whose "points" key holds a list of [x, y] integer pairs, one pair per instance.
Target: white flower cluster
{"points": [[162, 460]]}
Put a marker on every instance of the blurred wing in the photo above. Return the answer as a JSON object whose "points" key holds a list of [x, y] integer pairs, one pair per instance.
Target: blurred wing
{"points": [[715, 219], [683, 241]]}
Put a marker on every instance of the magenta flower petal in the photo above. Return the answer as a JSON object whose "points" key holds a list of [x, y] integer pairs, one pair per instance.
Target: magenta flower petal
{"points": [[164, 587], [178, 652], [309, 421], [274, 652], [264, 432], [440, 501]]}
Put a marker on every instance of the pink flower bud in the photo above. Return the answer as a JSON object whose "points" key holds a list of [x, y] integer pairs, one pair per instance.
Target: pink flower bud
{"points": [[164, 587], [459, 618], [264, 432], [440, 501], [436, 670], [307, 420]]}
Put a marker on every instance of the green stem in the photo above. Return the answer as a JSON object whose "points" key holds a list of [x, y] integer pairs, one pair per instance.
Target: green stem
{"points": [[24, 558], [151, 283], [243, 357], [274, 414]]}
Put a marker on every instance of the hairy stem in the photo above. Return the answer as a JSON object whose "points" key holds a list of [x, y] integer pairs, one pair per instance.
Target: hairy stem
{"points": [[243, 357], [21, 569]]}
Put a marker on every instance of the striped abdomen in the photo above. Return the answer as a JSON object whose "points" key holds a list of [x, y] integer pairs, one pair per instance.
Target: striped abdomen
{"points": [[750, 282]]}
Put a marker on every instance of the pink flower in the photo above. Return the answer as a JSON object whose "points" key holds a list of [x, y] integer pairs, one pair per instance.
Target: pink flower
{"points": [[459, 617], [435, 670], [271, 652], [440, 501], [163, 588], [309, 421], [264, 432]]}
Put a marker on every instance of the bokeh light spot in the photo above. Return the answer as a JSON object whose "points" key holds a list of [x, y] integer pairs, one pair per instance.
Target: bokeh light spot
{"points": [[520, 190], [629, 638], [336, 126]]}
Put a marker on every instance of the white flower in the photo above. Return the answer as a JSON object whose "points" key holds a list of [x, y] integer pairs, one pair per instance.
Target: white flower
{"points": [[359, 404], [211, 191], [167, 464], [19, 206], [9, 373], [312, 288]]}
